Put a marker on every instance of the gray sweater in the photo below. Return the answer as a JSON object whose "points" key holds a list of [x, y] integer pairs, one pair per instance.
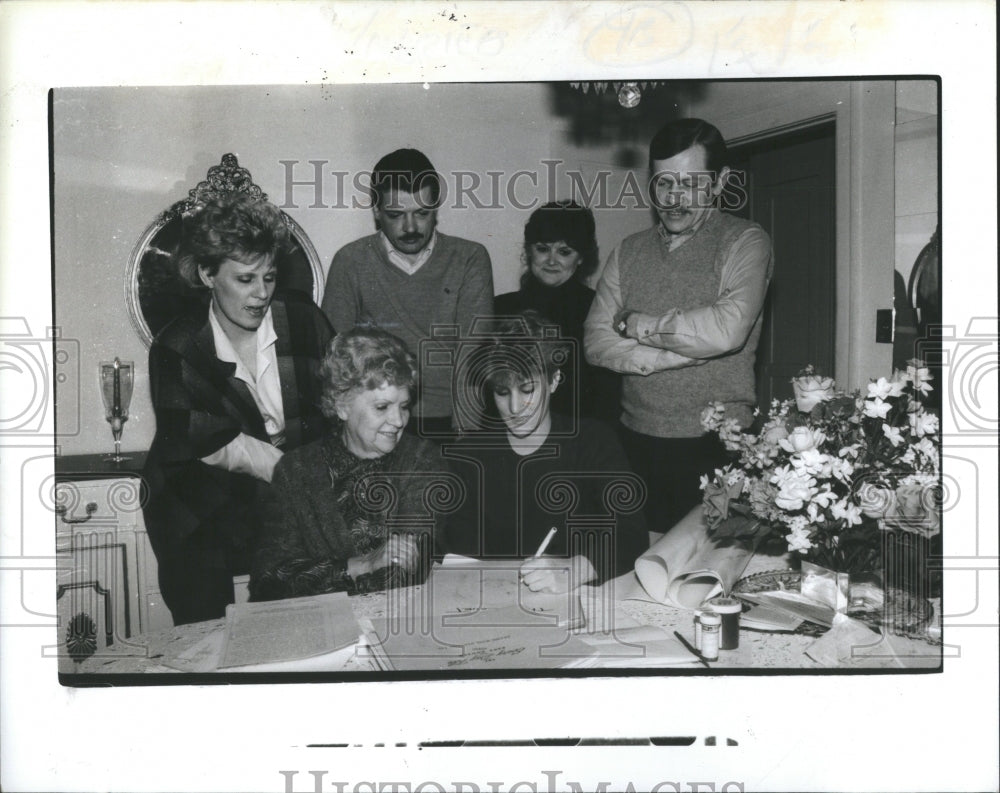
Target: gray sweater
{"points": [[668, 403], [452, 288]]}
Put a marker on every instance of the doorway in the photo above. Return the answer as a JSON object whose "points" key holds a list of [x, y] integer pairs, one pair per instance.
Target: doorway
{"points": [[790, 191]]}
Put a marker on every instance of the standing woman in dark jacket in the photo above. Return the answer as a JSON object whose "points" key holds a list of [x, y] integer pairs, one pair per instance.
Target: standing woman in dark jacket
{"points": [[232, 389], [560, 251]]}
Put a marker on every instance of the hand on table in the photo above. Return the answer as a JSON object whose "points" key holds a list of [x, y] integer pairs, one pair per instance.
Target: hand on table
{"points": [[555, 574], [400, 550]]}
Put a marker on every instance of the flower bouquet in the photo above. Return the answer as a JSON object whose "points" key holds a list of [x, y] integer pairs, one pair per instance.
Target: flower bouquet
{"points": [[851, 482]]}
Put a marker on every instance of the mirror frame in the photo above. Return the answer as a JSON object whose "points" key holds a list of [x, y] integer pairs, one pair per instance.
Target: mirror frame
{"points": [[226, 177]]}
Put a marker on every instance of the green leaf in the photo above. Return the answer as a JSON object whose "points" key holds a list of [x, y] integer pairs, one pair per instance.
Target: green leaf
{"points": [[734, 526], [740, 509]]}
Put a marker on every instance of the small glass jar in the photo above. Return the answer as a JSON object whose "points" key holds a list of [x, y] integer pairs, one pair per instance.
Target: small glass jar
{"points": [[697, 628], [711, 625], [729, 610]]}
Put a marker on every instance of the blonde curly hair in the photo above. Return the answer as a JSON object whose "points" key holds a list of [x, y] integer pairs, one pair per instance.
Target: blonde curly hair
{"points": [[231, 226], [364, 359]]}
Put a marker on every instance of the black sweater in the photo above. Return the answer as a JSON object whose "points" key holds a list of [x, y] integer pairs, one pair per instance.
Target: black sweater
{"points": [[580, 483]]}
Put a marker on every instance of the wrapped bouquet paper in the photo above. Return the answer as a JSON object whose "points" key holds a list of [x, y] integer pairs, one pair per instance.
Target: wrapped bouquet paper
{"points": [[686, 566], [853, 644]]}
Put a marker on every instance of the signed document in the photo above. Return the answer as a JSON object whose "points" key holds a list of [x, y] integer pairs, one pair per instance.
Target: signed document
{"points": [[504, 637], [477, 615], [461, 585], [287, 630]]}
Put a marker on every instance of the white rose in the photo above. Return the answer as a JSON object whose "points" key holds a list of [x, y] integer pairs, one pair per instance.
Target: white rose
{"points": [[794, 489], [810, 390], [802, 439]]}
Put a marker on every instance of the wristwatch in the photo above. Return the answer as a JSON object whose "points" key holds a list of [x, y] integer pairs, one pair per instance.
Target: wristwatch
{"points": [[621, 327]]}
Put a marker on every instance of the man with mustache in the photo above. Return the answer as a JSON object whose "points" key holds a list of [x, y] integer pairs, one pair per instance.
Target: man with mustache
{"points": [[408, 277], [678, 312]]}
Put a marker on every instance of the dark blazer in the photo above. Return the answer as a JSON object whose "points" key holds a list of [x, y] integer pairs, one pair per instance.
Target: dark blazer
{"points": [[201, 406]]}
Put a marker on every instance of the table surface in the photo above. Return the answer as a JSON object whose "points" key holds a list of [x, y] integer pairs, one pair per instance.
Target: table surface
{"points": [[757, 651], [75, 467]]}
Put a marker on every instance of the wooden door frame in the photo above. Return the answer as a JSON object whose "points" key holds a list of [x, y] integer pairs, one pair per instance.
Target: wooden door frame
{"points": [[864, 112]]}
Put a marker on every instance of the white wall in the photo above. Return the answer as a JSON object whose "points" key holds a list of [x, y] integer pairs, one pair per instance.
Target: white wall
{"points": [[122, 155], [916, 170]]}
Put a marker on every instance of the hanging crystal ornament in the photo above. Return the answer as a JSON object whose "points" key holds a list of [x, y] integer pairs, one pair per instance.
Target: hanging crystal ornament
{"points": [[629, 95]]}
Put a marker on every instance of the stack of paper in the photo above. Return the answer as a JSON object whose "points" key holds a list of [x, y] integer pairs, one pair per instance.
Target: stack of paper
{"points": [[280, 631], [794, 604], [768, 618]]}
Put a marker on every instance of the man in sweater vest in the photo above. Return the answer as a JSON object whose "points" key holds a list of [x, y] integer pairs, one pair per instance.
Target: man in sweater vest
{"points": [[415, 282], [678, 313]]}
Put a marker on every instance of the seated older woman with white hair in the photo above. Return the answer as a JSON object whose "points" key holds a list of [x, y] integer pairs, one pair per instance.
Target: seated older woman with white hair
{"points": [[349, 512]]}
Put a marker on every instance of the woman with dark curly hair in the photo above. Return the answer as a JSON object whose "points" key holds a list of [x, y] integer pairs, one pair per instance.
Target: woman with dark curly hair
{"points": [[353, 511], [232, 390], [560, 253]]}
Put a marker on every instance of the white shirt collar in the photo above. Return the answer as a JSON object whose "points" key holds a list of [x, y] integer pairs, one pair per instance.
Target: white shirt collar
{"points": [[266, 387], [406, 263], [224, 350], [674, 241]]}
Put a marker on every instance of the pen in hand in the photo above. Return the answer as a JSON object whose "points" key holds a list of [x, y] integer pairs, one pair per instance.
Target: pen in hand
{"points": [[538, 553], [545, 543]]}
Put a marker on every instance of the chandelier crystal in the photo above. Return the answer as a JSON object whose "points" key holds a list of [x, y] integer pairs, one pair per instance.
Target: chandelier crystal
{"points": [[629, 92]]}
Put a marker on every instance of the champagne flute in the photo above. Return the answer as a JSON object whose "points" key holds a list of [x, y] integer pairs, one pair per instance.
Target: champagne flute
{"points": [[116, 391]]}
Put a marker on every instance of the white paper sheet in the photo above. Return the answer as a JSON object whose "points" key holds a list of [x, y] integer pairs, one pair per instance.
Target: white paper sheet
{"points": [[635, 647], [492, 639], [457, 588], [287, 630]]}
